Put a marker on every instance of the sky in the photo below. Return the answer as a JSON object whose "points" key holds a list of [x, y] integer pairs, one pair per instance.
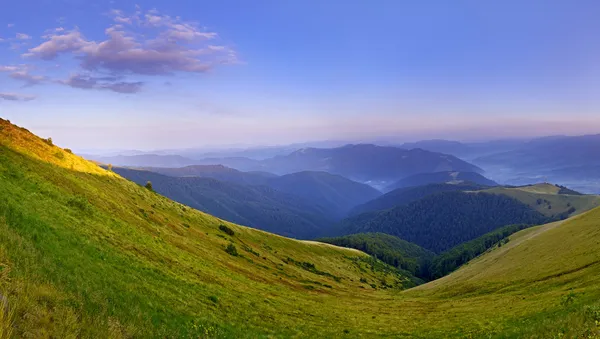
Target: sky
{"points": [[149, 74]]}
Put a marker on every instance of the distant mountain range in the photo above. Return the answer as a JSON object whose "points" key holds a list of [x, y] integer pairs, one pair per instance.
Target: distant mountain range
{"points": [[363, 163], [142, 160], [358, 162]]}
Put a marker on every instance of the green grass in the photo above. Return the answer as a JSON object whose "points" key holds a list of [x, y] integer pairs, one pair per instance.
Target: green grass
{"points": [[545, 198], [87, 254]]}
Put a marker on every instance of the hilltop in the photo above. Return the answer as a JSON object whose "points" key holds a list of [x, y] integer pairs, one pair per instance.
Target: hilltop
{"points": [[550, 200], [448, 177]]}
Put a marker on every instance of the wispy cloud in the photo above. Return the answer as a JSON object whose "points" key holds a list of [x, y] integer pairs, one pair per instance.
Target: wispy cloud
{"points": [[23, 36], [10, 25], [143, 43], [16, 97], [104, 83], [22, 73]]}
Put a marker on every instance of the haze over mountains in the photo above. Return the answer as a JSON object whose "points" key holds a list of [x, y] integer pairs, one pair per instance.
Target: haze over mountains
{"points": [[566, 160]]}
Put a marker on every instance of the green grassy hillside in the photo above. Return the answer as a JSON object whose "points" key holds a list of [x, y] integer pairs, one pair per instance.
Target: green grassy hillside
{"points": [[549, 200], [87, 254]]}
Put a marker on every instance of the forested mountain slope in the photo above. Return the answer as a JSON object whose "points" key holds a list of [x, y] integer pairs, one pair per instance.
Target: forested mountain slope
{"points": [[255, 206], [441, 221]]}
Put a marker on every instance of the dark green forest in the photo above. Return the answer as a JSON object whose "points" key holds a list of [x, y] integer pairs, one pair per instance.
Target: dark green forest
{"points": [[441, 221]]}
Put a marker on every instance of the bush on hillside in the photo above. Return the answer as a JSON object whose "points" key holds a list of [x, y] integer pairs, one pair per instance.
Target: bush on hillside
{"points": [[48, 141], [231, 249], [149, 186], [227, 230]]}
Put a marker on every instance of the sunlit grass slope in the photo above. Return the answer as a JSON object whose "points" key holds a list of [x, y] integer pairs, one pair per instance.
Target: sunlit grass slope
{"points": [[545, 198], [87, 254]]}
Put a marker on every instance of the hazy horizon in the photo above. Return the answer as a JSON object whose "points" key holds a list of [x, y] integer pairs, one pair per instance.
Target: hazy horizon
{"points": [[155, 75]]}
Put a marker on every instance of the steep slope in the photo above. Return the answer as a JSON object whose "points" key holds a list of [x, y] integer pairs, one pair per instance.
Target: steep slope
{"points": [[403, 196], [218, 172], [441, 221], [336, 193], [550, 200], [255, 206], [440, 178]]}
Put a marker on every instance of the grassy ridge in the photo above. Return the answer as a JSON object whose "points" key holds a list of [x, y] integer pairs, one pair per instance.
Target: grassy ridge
{"points": [[91, 255], [548, 199]]}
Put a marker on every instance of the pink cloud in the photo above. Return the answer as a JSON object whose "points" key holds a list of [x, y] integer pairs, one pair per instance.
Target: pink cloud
{"points": [[178, 47], [103, 83]]}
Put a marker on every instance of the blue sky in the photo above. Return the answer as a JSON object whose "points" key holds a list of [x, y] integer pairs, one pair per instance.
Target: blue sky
{"points": [[163, 74]]}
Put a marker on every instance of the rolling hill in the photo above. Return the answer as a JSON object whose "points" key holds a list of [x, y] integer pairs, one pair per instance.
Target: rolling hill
{"points": [[440, 178], [87, 254], [441, 221], [255, 206], [403, 196]]}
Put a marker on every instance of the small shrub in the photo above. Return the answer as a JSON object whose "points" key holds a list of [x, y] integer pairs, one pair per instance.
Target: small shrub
{"points": [[149, 186], [109, 167], [214, 299], [363, 280], [59, 155], [232, 250], [568, 298], [48, 141], [227, 230], [68, 150]]}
